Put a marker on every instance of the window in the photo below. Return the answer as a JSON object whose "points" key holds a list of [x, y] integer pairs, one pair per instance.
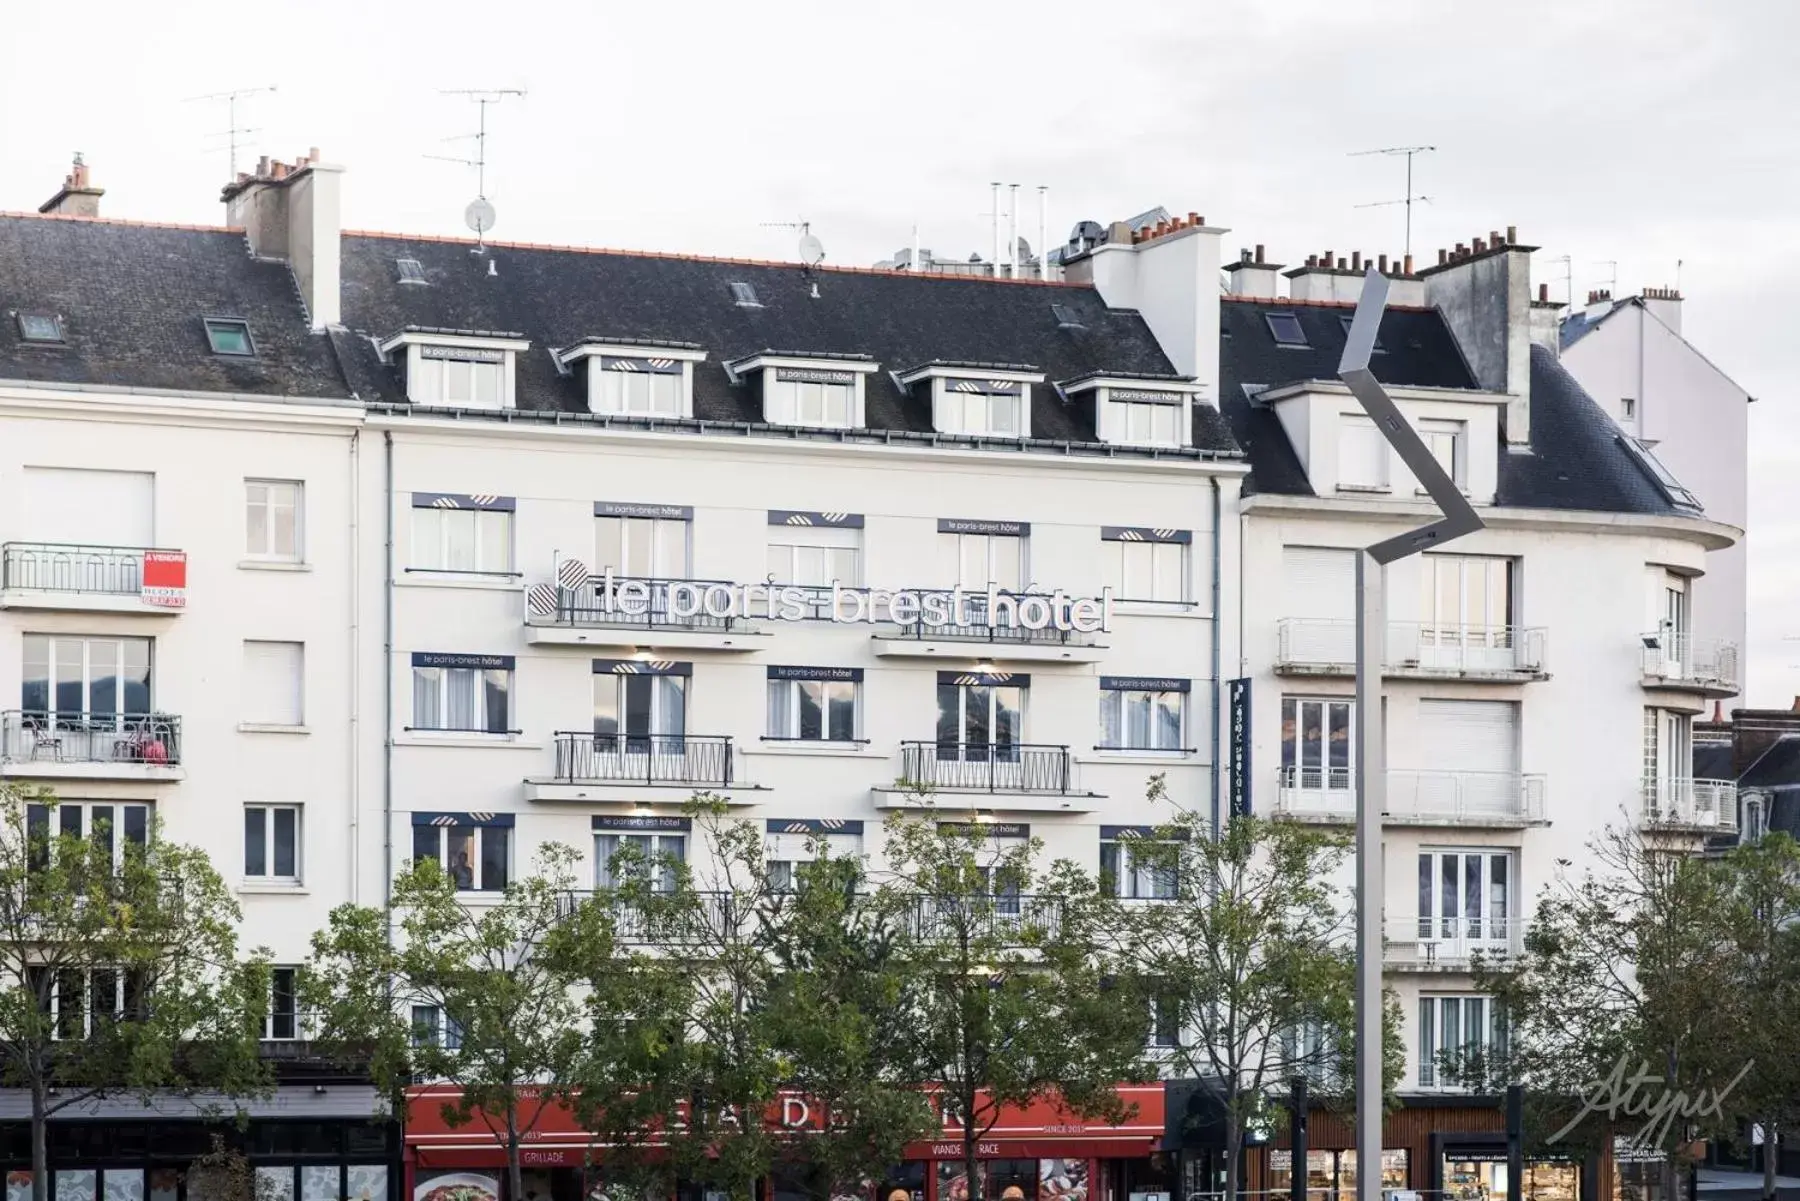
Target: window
{"points": [[976, 561], [1066, 317], [1316, 748], [744, 296], [813, 710], [969, 407], [1141, 718], [1654, 468], [1138, 569], [461, 539], [274, 684], [640, 387], [648, 711], [1455, 1032], [790, 845], [229, 335], [40, 327], [272, 519], [1310, 1049], [470, 693], [1150, 424], [1465, 593], [1668, 746], [282, 1022], [819, 556], [658, 854], [814, 403], [457, 377], [1755, 817], [412, 271], [82, 997], [71, 677], [1165, 1018], [1445, 441], [272, 843], [810, 396], [642, 547], [1285, 329], [1362, 455], [1122, 876], [475, 856], [1346, 322], [111, 825], [1465, 897], [431, 1028], [972, 718], [1627, 408]]}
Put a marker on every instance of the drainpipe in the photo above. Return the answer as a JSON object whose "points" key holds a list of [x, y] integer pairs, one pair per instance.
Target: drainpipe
{"points": [[1218, 627], [355, 665], [387, 693]]}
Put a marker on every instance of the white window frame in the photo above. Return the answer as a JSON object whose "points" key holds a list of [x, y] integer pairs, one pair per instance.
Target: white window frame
{"points": [[444, 1033], [1433, 1032], [1116, 707], [277, 653], [486, 535], [121, 996], [662, 687], [664, 538], [1448, 442], [1165, 1027], [1129, 880], [1355, 428], [815, 556], [784, 709], [86, 810], [1328, 778], [661, 395], [269, 875], [1165, 565], [1142, 424], [995, 551], [459, 383], [964, 693], [1472, 577], [656, 846], [1494, 919], [785, 854], [982, 414], [296, 1022], [273, 497], [438, 722], [1668, 745], [56, 644], [479, 836]]}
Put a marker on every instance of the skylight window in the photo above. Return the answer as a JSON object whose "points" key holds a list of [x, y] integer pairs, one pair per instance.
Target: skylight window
{"points": [[229, 335], [1285, 329], [1653, 466], [1065, 317], [412, 271], [1345, 322], [744, 295], [40, 327]]}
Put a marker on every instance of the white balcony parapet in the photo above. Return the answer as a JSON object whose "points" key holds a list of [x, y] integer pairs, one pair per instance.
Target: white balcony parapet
{"points": [[1327, 646], [1674, 660], [1448, 942], [1685, 804], [1328, 793]]}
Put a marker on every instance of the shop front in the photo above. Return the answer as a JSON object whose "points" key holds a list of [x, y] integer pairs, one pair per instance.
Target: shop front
{"points": [[1034, 1153]]}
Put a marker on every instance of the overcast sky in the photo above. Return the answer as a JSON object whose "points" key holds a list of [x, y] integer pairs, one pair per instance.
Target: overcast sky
{"points": [[1641, 131]]}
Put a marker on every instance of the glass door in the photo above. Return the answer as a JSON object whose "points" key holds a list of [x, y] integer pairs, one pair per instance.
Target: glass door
{"points": [[1465, 898], [640, 725], [980, 724], [1465, 613], [1317, 766]]}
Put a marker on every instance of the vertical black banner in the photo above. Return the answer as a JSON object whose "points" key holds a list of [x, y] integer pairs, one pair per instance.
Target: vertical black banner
{"points": [[1240, 746]]}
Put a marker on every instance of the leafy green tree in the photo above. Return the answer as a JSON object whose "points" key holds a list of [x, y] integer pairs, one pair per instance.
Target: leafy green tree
{"points": [[1006, 998], [120, 972], [1248, 961], [491, 998]]}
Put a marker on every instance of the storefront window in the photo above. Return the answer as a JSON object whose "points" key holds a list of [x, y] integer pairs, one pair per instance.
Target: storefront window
{"points": [[1638, 1176], [1001, 1180], [1061, 1180], [1467, 1179], [904, 1182], [1331, 1175]]}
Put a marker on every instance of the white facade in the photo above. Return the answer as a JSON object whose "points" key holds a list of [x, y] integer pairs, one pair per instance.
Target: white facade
{"points": [[1659, 388]]}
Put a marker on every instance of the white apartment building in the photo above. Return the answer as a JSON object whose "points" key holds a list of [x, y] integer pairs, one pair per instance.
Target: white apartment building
{"points": [[1631, 356]]}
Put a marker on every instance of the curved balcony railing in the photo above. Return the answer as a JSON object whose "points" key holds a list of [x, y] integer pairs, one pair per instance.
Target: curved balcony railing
{"points": [[1708, 663], [42, 737], [1680, 803], [57, 567], [1328, 645], [988, 766], [697, 759], [677, 918]]}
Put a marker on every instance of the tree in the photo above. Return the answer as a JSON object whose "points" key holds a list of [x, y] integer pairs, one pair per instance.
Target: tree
{"points": [[1005, 999], [119, 968], [1249, 961], [490, 998]]}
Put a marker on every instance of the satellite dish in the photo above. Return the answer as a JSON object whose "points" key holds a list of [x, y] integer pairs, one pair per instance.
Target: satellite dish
{"points": [[479, 216], [1024, 249], [812, 251]]}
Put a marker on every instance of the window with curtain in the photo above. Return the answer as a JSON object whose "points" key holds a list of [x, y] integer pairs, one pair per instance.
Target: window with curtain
{"points": [[1136, 719]]}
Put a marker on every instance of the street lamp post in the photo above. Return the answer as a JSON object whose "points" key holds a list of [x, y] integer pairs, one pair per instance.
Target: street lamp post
{"points": [[1371, 780]]}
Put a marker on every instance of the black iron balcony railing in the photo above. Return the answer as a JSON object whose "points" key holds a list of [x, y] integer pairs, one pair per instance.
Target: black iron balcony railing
{"points": [[680, 918], [61, 737], [643, 603], [54, 567], [988, 766], [700, 759]]}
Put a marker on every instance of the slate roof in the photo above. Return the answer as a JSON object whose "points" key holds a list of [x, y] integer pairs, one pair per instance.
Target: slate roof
{"points": [[1712, 760], [1777, 767], [1575, 462], [1578, 325], [559, 297], [131, 297]]}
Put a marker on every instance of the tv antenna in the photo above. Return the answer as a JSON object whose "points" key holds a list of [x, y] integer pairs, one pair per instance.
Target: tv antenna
{"points": [[235, 131], [479, 215], [1407, 200], [811, 250], [1612, 278], [1567, 262]]}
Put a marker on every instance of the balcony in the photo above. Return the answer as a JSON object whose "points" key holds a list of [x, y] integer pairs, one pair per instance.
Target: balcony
{"points": [[699, 918], [601, 767], [1447, 944], [90, 746], [1307, 646], [1423, 798], [999, 636], [1702, 806], [1708, 666], [636, 611], [1029, 776], [92, 579]]}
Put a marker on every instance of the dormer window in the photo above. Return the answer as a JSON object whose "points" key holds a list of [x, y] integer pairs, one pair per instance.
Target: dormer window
{"points": [[632, 379], [455, 369], [812, 390], [980, 400], [40, 327], [1141, 412]]}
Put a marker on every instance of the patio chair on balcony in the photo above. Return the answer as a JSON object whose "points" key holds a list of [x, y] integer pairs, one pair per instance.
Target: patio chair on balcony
{"points": [[42, 739]]}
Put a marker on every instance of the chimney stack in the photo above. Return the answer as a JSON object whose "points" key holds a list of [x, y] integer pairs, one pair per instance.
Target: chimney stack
{"points": [[1665, 305], [77, 197], [1485, 295], [290, 212], [1252, 275]]}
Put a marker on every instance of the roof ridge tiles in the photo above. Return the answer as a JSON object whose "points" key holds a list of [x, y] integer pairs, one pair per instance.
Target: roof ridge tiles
{"points": [[709, 258], [126, 221]]}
